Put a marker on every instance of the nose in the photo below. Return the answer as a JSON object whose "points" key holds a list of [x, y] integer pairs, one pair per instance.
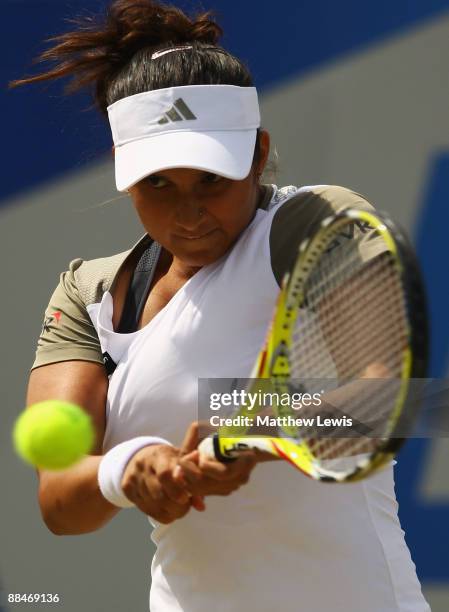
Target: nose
{"points": [[188, 215]]}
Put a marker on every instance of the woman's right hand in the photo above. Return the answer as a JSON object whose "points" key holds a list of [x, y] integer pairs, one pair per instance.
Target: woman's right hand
{"points": [[204, 476], [149, 483]]}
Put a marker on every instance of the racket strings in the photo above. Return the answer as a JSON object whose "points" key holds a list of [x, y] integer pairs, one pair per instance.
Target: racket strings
{"points": [[306, 336], [366, 441], [325, 276], [334, 445], [354, 318], [307, 359], [351, 354]]}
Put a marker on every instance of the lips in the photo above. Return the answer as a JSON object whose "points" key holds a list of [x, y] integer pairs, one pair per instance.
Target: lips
{"points": [[195, 236]]}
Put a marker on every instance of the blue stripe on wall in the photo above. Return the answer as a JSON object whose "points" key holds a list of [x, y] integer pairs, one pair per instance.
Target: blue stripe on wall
{"points": [[46, 134], [433, 252], [422, 521]]}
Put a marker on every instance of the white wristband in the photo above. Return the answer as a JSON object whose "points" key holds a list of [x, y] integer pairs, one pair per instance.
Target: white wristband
{"points": [[113, 464]]}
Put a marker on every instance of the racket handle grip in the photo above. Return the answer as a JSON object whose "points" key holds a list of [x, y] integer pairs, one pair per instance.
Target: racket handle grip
{"points": [[210, 447], [206, 447]]}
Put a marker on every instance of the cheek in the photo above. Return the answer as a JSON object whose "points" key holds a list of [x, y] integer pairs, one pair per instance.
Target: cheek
{"points": [[153, 218], [230, 212], [237, 211]]}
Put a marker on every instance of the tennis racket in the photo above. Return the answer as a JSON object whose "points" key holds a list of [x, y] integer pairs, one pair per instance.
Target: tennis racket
{"points": [[351, 314]]}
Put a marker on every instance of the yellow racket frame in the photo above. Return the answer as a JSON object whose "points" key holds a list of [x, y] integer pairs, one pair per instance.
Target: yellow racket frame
{"points": [[272, 362]]}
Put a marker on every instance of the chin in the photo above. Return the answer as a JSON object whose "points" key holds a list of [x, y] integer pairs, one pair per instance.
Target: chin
{"points": [[202, 257], [199, 254]]}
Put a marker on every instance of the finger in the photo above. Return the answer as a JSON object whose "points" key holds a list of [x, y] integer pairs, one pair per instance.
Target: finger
{"points": [[196, 432], [191, 439], [167, 515], [164, 472], [197, 502], [193, 456], [188, 470], [175, 490], [227, 471], [151, 490], [176, 510], [194, 481], [178, 476], [154, 496], [160, 489], [213, 468], [186, 474], [198, 483], [150, 498]]}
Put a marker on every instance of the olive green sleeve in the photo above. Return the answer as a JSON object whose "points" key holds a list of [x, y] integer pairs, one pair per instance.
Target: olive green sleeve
{"points": [[67, 331], [301, 215]]}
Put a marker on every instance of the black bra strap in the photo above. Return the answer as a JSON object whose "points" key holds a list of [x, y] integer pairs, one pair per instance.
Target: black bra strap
{"points": [[137, 294], [139, 288]]}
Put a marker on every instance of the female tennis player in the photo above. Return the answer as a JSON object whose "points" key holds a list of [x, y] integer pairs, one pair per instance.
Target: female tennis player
{"points": [[128, 336]]}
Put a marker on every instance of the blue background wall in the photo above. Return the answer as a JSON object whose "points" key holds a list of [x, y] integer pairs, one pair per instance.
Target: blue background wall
{"points": [[47, 133]]}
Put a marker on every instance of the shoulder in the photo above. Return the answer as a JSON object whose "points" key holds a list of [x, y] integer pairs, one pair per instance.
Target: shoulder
{"points": [[68, 332], [322, 197], [302, 205], [296, 211], [92, 278]]}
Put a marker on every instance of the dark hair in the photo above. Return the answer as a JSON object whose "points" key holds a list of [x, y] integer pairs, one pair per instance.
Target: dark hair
{"points": [[112, 56]]}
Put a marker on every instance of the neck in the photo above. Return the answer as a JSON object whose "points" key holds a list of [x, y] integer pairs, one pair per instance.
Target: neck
{"points": [[182, 270], [176, 267]]}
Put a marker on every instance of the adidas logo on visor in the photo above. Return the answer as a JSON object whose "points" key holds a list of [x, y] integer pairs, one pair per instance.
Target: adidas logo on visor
{"points": [[178, 112]]}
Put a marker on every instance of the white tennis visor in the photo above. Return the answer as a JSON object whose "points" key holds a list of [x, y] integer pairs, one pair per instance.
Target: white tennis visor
{"points": [[205, 127]]}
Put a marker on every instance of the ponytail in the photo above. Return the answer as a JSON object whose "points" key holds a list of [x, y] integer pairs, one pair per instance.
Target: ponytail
{"points": [[114, 57]]}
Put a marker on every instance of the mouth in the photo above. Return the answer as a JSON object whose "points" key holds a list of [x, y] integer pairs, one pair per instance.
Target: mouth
{"points": [[195, 236]]}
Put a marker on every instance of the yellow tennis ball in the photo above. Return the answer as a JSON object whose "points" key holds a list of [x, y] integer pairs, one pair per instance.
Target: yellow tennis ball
{"points": [[53, 434]]}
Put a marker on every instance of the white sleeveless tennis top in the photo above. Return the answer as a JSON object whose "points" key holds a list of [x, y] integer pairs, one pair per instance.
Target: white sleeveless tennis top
{"points": [[282, 540]]}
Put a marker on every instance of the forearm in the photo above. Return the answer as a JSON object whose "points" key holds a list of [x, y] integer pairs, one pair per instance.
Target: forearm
{"points": [[71, 501]]}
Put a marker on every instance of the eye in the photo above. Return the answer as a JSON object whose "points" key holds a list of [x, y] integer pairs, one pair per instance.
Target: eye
{"points": [[156, 181], [212, 178]]}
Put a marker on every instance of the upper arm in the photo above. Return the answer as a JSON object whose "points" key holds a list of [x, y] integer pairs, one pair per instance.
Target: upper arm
{"points": [[81, 382], [86, 384], [68, 363]]}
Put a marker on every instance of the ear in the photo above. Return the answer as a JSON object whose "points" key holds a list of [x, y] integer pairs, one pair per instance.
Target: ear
{"points": [[264, 144]]}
